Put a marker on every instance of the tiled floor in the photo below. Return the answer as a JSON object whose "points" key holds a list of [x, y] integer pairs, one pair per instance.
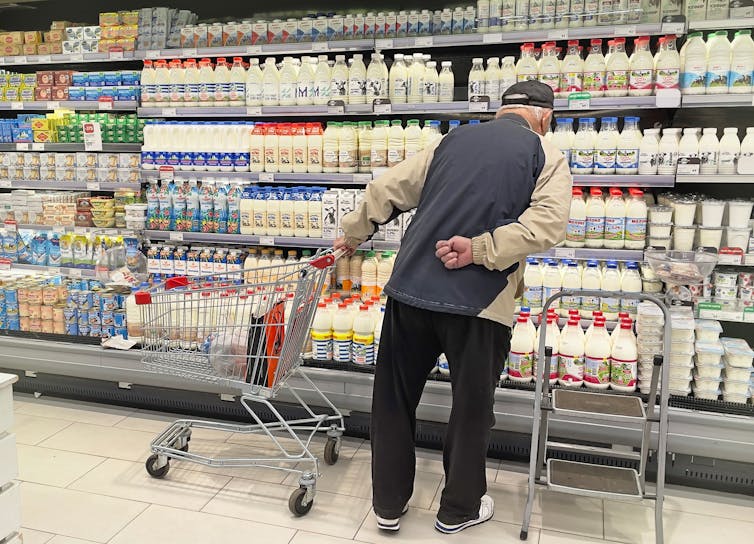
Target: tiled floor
{"points": [[83, 481]]}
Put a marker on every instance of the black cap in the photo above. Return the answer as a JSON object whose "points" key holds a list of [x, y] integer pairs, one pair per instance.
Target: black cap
{"points": [[529, 93]]}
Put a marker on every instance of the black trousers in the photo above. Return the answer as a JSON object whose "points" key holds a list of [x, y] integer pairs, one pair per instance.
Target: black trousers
{"points": [[411, 341]]}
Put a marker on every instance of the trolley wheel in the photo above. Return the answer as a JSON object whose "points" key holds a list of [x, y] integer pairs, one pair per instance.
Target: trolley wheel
{"points": [[296, 504], [524, 535], [184, 448], [332, 451], [156, 472]]}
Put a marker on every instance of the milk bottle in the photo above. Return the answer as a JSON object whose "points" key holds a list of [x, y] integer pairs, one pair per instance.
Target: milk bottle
{"points": [[535, 14], [525, 312], [641, 69], [354, 271], [492, 79], [549, 67], [412, 138], [272, 218], [572, 78], [254, 83], [693, 60], [648, 151], [605, 146], [348, 155], [342, 324], [322, 334], [533, 280], [622, 316], [207, 85], [623, 360], [563, 136], [688, 148], [162, 83], [610, 303], [305, 89], [615, 219], [288, 83], [594, 69], [741, 63], [629, 142], [709, 149], [636, 220], [520, 360], [315, 213], [378, 155], [552, 284], [222, 83], [630, 283], [395, 145], [258, 217], [314, 142], [591, 279], [148, 85], [398, 89], [576, 230], [667, 154], [377, 85], [617, 68], [299, 145], [597, 358], [331, 148], [256, 148], [718, 63], [431, 83], [369, 276], [571, 355], [285, 148], [446, 82], [571, 281], [271, 152], [595, 219], [667, 65], [322, 79], [270, 83], [526, 67], [415, 82], [477, 79], [552, 340], [507, 74], [730, 148], [177, 78], [363, 338], [357, 81], [339, 79], [301, 214], [365, 146], [521, 14], [582, 154], [237, 92], [384, 271]]}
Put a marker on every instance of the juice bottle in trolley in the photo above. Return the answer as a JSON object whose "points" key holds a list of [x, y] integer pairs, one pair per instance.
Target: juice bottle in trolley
{"points": [[597, 358], [571, 355], [520, 359], [623, 360]]}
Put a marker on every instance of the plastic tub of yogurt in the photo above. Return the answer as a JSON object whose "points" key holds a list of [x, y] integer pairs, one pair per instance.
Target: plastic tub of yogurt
{"points": [[737, 352], [712, 212], [709, 353], [683, 237], [660, 214], [737, 237], [724, 279], [705, 394], [710, 237], [659, 241], [739, 213], [684, 212], [660, 230], [737, 374], [708, 330]]}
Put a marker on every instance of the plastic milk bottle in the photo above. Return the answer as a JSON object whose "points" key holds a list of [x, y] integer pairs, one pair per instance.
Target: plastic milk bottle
{"points": [[520, 360]]}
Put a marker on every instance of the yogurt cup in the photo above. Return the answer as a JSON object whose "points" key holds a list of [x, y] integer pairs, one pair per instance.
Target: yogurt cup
{"points": [[712, 212], [724, 279], [660, 230], [726, 293], [746, 294], [739, 213], [737, 237], [709, 372], [683, 237], [660, 214], [710, 237], [746, 279], [709, 354], [660, 242], [684, 211]]}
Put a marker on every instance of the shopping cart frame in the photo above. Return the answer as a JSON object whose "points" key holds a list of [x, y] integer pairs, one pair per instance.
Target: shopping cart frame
{"points": [[160, 353]]}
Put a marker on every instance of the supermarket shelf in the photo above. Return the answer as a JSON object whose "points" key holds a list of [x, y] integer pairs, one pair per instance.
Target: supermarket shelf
{"points": [[623, 181], [78, 105], [588, 254], [250, 239], [67, 185], [715, 179], [27, 60], [612, 103], [716, 100], [722, 24], [106, 148], [64, 271], [265, 177], [77, 230]]}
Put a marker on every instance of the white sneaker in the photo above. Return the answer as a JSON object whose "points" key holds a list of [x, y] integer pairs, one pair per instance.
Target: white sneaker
{"points": [[385, 524], [486, 509]]}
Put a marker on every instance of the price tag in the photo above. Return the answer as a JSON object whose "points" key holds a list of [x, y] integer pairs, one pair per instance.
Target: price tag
{"points": [[117, 55], [74, 272], [6, 184], [266, 240], [493, 37], [254, 110], [22, 147], [58, 230], [77, 57], [2, 60], [559, 34], [44, 58], [424, 41], [10, 225], [92, 136], [167, 173], [150, 54], [382, 106], [188, 52], [53, 105], [479, 104], [383, 44], [320, 46], [16, 105], [20, 60], [688, 166], [668, 98], [362, 178], [565, 253], [266, 176], [579, 101], [92, 186], [730, 255], [104, 106], [336, 107], [169, 112], [79, 230], [37, 146], [253, 49], [625, 30], [5, 264], [673, 28], [748, 315], [176, 237]]}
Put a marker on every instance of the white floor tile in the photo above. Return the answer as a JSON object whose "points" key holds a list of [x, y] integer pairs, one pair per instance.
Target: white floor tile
{"points": [[163, 525], [76, 514], [67, 540], [709, 503], [53, 467], [103, 441], [31, 536], [82, 412], [186, 489], [336, 515], [418, 527], [633, 523], [156, 422], [552, 537], [32, 429], [303, 537], [512, 475]]}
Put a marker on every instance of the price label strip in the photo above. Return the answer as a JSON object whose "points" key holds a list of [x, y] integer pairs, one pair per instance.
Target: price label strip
{"points": [[479, 104], [579, 101], [336, 107], [382, 106]]}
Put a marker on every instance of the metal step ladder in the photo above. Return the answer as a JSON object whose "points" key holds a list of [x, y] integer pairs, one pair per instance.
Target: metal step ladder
{"points": [[596, 480]]}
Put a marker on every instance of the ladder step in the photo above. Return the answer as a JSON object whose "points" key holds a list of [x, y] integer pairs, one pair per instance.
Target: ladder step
{"points": [[597, 405], [593, 480], [594, 450]]}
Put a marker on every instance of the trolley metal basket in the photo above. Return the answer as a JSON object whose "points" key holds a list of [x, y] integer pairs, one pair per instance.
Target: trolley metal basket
{"points": [[242, 331]]}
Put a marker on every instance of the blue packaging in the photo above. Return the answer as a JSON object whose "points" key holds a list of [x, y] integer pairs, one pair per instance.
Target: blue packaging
{"points": [[80, 79], [130, 77], [108, 332], [11, 295], [71, 314], [84, 330], [96, 79], [22, 135], [122, 331], [95, 319], [13, 323], [72, 328], [85, 299], [127, 93], [83, 317], [108, 92], [119, 319], [95, 331], [76, 94], [92, 93], [96, 300], [112, 79], [11, 309], [107, 319]]}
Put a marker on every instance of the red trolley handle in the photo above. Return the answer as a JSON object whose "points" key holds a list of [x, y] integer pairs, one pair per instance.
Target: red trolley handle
{"points": [[144, 297]]}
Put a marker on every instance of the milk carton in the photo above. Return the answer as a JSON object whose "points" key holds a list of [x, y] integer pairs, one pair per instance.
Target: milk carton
{"points": [[244, 33], [391, 22], [425, 19], [215, 35], [370, 21], [394, 229], [330, 207], [259, 33], [401, 24], [319, 29], [379, 25], [650, 11], [275, 31], [346, 204], [335, 28], [290, 31]]}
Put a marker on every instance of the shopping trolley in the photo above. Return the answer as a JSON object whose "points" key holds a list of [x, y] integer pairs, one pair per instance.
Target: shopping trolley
{"points": [[242, 331]]}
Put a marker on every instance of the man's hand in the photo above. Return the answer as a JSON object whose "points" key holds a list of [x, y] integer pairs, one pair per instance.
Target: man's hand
{"points": [[454, 253], [342, 245]]}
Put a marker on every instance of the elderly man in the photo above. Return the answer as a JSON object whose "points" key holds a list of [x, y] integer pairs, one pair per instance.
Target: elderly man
{"points": [[486, 196]]}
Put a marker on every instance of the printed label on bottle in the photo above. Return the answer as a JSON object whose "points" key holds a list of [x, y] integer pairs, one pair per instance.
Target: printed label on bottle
{"points": [[532, 297], [572, 82], [627, 158], [640, 78], [623, 373], [322, 346], [636, 229], [604, 158], [339, 87], [300, 219], [330, 158], [313, 156], [617, 80], [259, 220], [668, 78], [597, 370], [269, 92], [647, 162], [322, 89], [590, 304], [362, 352], [594, 81], [526, 77], [614, 227], [341, 347], [547, 292], [347, 158], [552, 80], [727, 162], [286, 220], [609, 305], [595, 228], [740, 78], [476, 88], [357, 87], [570, 303], [272, 222], [582, 158], [288, 92], [299, 156], [716, 77], [394, 156], [302, 90], [378, 158], [692, 80], [237, 92], [554, 363], [629, 305], [520, 365], [667, 160], [576, 230], [571, 369], [708, 162]]}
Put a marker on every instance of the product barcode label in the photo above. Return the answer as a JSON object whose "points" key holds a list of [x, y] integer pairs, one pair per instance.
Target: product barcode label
{"points": [[117, 55], [254, 110], [266, 176], [425, 41], [493, 37], [52, 105], [92, 186], [176, 237], [22, 147], [37, 146], [383, 44], [267, 240], [560, 34]]}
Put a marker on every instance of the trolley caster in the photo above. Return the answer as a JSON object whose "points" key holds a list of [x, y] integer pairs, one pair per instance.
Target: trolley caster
{"points": [[296, 502], [152, 468], [524, 535], [184, 447], [332, 450]]}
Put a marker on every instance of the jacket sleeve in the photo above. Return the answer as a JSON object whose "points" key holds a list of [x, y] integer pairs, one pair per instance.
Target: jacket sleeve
{"points": [[540, 227], [396, 191]]}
